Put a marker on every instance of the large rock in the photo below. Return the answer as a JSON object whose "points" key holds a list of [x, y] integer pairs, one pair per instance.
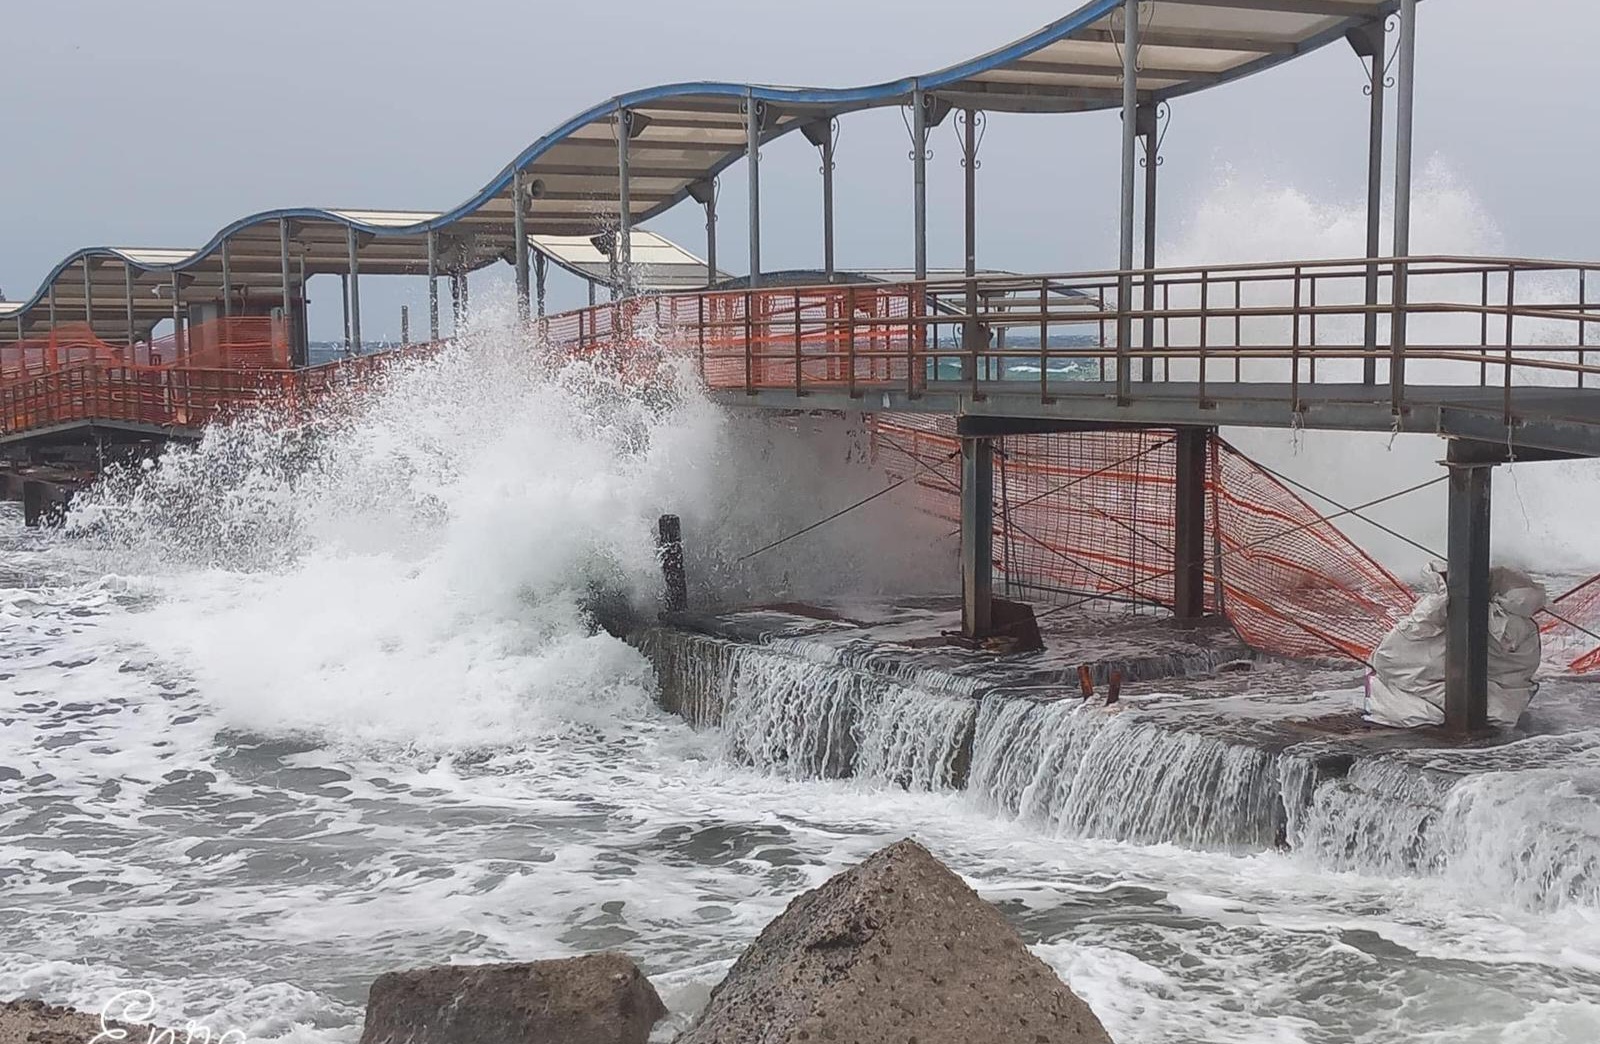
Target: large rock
{"points": [[897, 950], [599, 999], [35, 1022]]}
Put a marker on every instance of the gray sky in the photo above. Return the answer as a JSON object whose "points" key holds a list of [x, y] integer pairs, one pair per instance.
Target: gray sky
{"points": [[155, 123]]}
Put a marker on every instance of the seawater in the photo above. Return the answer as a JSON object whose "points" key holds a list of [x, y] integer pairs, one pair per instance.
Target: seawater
{"points": [[281, 713]]}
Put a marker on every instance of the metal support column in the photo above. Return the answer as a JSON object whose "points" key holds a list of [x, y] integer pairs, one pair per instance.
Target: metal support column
{"points": [[519, 230], [52, 304], [970, 338], [455, 304], [297, 346], [541, 268], [227, 280], [624, 250], [752, 123], [919, 183], [1368, 42], [1130, 138], [827, 202], [977, 537], [433, 285], [1149, 131], [179, 344], [127, 293], [88, 296], [705, 194], [1402, 196], [1466, 677], [344, 301], [355, 292], [1189, 537]]}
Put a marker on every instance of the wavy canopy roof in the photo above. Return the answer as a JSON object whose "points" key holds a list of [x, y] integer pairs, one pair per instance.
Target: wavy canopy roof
{"points": [[683, 136]]}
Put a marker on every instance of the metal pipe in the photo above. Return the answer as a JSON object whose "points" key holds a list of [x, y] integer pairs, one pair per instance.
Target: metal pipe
{"points": [[1466, 675], [88, 296], [288, 312], [969, 164], [1369, 365], [455, 304], [519, 229], [919, 182], [1130, 119], [227, 280], [344, 302], [433, 285], [624, 251], [827, 203], [355, 292], [753, 154], [127, 293], [1147, 119], [178, 340], [711, 238], [541, 266], [1404, 112], [977, 537], [52, 304]]}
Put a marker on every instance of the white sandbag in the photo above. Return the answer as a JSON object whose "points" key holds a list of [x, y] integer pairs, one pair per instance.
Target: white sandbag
{"points": [[1515, 647], [1406, 688]]}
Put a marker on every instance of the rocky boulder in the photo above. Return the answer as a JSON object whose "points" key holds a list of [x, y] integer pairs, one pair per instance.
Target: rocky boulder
{"points": [[598, 999], [897, 950]]}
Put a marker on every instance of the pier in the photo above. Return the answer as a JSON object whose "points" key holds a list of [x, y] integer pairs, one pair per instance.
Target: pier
{"points": [[1395, 342]]}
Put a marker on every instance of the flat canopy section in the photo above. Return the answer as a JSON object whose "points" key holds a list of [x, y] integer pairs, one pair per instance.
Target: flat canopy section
{"points": [[658, 263], [681, 136]]}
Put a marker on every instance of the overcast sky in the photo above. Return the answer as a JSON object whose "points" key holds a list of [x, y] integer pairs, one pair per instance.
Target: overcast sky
{"points": [[155, 123]]}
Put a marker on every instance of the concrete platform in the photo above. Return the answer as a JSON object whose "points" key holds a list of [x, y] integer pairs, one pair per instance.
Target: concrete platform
{"points": [[1209, 745]]}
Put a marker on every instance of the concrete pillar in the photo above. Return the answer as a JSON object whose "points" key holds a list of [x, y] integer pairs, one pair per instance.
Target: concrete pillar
{"points": [[977, 537], [1466, 678], [1189, 514], [669, 545]]}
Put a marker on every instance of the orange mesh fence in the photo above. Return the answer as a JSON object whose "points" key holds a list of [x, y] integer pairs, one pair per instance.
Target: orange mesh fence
{"points": [[1091, 514], [1580, 606]]}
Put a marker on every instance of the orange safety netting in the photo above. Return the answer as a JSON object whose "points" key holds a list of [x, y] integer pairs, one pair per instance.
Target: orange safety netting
{"points": [[1580, 606], [1092, 514], [240, 343]]}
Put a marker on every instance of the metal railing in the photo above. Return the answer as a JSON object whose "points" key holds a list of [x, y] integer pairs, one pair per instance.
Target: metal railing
{"points": [[1505, 323]]}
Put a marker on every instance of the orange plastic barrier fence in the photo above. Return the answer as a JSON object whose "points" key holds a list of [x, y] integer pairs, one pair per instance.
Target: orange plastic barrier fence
{"points": [[1081, 514], [243, 343]]}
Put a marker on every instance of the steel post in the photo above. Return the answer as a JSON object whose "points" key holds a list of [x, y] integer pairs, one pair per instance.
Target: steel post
{"points": [[1466, 679], [1148, 130], [1404, 107], [405, 325], [296, 353], [519, 230], [52, 304], [433, 285], [919, 183], [624, 249], [827, 203], [1130, 139], [227, 280], [1369, 365], [541, 267], [1189, 537], [977, 537], [711, 240], [88, 296], [127, 293], [179, 344], [344, 301], [969, 165], [752, 124], [355, 291]]}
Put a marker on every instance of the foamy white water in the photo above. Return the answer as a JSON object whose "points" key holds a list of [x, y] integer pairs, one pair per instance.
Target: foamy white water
{"points": [[288, 713]]}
